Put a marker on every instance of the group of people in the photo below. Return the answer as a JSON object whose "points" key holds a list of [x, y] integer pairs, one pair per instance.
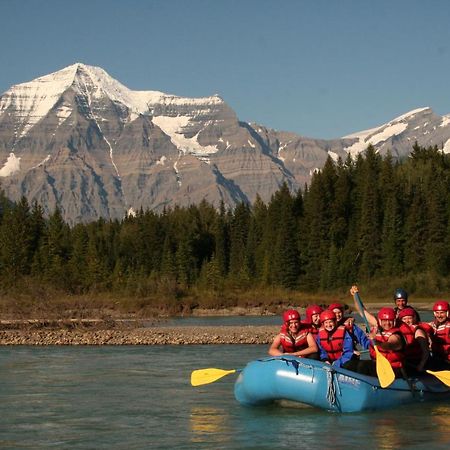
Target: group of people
{"points": [[410, 345]]}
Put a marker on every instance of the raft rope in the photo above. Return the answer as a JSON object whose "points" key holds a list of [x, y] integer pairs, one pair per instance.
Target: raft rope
{"points": [[331, 388]]}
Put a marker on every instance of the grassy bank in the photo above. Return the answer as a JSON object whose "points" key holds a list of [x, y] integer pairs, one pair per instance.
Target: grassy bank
{"points": [[29, 300]]}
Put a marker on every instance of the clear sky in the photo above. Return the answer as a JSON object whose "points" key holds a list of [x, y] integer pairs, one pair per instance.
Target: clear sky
{"points": [[320, 68]]}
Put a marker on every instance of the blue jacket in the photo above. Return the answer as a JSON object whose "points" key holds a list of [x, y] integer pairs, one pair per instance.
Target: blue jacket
{"points": [[361, 337], [347, 350]]}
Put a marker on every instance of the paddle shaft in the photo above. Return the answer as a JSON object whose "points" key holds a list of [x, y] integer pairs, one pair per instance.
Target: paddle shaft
{"points": [[384, 369], [361, 308]]}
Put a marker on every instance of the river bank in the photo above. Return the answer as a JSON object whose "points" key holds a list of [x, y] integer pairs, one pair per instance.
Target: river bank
{"points": [[142, 336], [138, 331]]}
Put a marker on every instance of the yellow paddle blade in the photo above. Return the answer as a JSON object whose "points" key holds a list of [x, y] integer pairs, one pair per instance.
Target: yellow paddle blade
{"points": [[205, 376], [443, 375], [385, 372]]}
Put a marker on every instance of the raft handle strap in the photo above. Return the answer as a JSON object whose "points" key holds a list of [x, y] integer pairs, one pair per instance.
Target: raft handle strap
{"points": [[331, 391]]}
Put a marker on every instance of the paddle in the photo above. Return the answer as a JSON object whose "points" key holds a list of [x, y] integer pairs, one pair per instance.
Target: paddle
{"points": [[384, 369], [442, 375], [206, 376]]}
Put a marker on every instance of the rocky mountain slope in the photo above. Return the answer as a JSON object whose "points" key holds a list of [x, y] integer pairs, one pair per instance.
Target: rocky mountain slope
{"points": [[80, 140]]}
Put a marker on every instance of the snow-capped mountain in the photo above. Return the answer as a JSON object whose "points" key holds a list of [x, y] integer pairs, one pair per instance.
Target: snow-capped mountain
{"points": [[398, 135], [80, 140]]}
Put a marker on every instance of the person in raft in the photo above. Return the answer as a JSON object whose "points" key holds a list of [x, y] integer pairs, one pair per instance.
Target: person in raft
{"points": [[359, 338], [417, 347], [294, 338], [388, 338], [335, 343], [312, 320], [440, 338], [401, 302]]}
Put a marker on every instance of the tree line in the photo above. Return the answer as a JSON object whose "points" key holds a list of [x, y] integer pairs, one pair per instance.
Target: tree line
{"points": [[372, 219]]}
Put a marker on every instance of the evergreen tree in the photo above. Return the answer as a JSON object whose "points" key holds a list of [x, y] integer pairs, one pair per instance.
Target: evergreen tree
{"points": [[221, 241], [16, 241], [54, 251], [286, 267], [391, 261], [239, 229], [369, 237]]}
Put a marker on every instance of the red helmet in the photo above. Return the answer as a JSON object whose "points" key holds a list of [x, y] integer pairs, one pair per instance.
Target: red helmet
{"points": [[386, 314], [406, 312], [336, 306], [291, 314], [441, 305], [327, 315], [312, 309]]}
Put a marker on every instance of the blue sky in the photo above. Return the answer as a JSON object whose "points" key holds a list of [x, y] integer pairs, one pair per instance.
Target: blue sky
{"points": [[320, 68]]}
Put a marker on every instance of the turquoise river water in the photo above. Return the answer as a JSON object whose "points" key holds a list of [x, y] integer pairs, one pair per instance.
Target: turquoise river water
{"points": [[140, 397]]}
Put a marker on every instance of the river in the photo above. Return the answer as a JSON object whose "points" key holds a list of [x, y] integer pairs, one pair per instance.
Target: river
{"points": [[139, 397]]}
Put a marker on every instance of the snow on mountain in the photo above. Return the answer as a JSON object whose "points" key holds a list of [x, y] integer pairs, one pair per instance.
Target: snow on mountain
{"points": [[173, 127], [31, 101], [445, 121], [380, 134], [11, 166], [80, 140]]}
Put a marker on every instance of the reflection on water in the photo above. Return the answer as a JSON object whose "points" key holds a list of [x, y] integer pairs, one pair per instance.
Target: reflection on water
{"points": [[385, 433], [208, 421], [416, 426], [441, 422]]}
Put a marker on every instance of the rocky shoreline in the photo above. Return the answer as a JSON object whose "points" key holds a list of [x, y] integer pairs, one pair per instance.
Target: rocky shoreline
{"points": [[141, 336], [133, 332]]}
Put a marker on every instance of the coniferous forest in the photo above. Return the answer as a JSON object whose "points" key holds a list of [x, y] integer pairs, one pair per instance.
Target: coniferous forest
{"points": [[371, 220]]}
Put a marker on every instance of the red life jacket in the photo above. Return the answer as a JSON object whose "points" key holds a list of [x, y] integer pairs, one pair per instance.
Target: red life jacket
{"points": [[441, 340], [311, 328], [412, 351], [332, 343], [395, 358], [296, 343], [427, 328]]}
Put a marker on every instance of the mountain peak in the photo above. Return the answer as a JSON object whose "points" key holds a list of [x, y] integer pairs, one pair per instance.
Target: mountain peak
{"points": [[31, 101], [386, 132]]}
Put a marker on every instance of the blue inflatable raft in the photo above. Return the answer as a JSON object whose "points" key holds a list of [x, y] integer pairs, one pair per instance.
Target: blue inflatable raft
{"points": [[321, 385]]}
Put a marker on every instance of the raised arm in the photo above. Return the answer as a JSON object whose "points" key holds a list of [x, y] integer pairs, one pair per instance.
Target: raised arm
{"points": [[363, 312]]}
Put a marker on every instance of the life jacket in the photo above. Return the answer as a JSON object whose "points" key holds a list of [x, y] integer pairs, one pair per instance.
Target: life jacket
{"points": [[441, 340], [296, 343], [395, 358], [311, 328], [427, 328], [332, 343], [413, 351]]}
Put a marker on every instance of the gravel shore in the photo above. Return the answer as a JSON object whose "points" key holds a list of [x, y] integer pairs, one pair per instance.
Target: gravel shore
{"points": [[131, 332], [142, 336]]}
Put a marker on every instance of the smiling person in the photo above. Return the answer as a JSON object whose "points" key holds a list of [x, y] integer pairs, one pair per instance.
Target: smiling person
{"points": [[441, 333], [387, 337], [312, 320], [294, 338], [335, 343], [417, 352], [358, 336], [401, 302]]}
